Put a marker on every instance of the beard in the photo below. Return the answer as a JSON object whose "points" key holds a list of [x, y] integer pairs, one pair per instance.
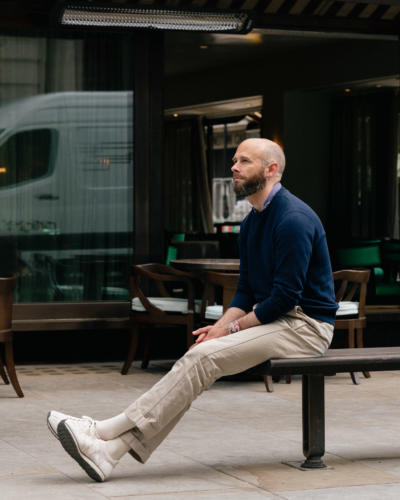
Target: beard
{"points": [[251, 185]]}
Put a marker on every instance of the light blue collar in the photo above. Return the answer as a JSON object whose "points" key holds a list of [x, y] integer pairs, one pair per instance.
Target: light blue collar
{"points": [[271, 195]]}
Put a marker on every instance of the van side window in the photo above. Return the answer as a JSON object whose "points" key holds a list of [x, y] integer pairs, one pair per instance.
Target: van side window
{"points": [[26, 156]]}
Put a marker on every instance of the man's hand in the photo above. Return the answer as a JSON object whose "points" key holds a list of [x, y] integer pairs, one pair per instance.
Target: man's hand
{"points": [[209, 332], [220, 329]]}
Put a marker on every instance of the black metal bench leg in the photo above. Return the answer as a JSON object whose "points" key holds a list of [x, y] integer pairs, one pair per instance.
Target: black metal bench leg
{"points": [[313, 421]]}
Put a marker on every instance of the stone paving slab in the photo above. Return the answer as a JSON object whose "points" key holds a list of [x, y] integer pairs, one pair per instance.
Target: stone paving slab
{"points": [[277, 477], [381, 492], [242, 494], [229, 446]]}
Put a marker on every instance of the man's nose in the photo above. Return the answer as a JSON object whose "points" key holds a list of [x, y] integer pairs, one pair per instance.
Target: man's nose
{"points": [[235, 167]]}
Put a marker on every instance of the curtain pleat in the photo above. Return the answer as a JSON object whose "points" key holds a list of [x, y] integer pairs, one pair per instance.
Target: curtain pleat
{"points": [[188, 207]]}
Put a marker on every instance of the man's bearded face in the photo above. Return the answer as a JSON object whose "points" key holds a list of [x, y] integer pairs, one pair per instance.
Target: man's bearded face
{"points": [[246, 186]]}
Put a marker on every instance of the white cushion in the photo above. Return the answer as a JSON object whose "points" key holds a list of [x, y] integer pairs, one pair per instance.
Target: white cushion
{"points": [[347, 308], [167, 304], [213, 312]]}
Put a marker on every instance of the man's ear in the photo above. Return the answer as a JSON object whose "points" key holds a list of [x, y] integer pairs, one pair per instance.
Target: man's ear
{"points": [[272, 170]]}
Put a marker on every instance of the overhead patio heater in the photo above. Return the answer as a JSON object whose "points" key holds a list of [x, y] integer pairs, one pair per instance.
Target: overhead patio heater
{"points": [[106, 16]]}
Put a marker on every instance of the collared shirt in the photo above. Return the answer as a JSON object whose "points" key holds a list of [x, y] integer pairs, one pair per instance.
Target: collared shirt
{"points": [[273, 192]]}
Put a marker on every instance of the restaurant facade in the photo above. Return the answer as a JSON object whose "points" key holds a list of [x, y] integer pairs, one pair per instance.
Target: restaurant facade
{"points": [[114, 138]]}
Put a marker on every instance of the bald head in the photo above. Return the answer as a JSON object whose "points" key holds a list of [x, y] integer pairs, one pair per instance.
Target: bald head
{"points": [[269, 151]]}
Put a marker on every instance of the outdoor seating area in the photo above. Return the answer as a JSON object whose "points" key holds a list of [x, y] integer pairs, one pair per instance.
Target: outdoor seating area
{"points": [[217, 291]]}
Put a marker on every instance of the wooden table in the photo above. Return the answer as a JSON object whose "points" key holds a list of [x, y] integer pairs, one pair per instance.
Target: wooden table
{"points": [[200, 265]]}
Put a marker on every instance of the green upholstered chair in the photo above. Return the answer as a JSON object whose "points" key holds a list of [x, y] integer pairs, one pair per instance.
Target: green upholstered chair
{"points": [[382, 257], [367, 256], [172, 251], [359, 256], [388, 290], [390, 251]]}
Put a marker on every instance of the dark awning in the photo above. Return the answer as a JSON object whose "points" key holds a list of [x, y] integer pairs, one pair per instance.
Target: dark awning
{"points": [[355, 16]]}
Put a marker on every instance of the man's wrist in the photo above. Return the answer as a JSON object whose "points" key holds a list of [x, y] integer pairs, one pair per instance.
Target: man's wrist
{"points": [[233, 327]]}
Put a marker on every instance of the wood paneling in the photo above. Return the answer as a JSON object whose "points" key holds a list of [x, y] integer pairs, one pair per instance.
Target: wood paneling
{"points": [[70, 316]]}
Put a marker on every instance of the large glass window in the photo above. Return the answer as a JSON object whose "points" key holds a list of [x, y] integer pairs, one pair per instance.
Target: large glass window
{"points": [[66, 165]]}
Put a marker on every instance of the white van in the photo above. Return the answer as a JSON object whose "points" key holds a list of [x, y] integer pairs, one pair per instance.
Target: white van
{"points": [[66, 170]]}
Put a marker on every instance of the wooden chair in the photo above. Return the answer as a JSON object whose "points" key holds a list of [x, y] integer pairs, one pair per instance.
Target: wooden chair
{"points": [[227, 282], [351, 290], [7, 285], [164, 309], [351, 293], [212, 312]]}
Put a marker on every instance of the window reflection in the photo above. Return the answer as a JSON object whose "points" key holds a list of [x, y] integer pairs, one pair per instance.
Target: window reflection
{"points": [[66, 170], [25, 156]]}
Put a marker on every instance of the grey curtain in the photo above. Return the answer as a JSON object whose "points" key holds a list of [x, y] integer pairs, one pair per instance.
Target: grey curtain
{"points": [[187, 196]]}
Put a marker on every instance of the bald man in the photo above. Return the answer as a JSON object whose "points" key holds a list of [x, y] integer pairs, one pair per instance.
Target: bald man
{"points": [[284, 306]]}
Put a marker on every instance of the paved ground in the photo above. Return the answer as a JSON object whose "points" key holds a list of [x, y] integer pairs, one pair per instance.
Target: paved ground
{"points": [[229, 446]]}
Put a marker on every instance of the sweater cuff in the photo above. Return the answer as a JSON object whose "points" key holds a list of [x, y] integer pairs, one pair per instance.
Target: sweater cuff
{"points": [[242, 302]]}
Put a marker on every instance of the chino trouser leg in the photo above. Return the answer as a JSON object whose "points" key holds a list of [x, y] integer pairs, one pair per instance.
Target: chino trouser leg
{"points": [[156, 412]]}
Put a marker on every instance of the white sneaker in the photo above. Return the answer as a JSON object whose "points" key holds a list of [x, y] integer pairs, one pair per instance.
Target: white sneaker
{"points": [[55, 417], [87, 450]]}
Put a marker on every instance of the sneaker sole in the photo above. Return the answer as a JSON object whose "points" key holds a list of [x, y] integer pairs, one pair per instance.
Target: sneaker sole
{"points": [[51, 429], [68, 442]]}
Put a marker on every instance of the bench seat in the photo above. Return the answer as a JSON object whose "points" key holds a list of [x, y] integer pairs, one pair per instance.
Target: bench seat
{"points": [[336, 361], [313, 371]]}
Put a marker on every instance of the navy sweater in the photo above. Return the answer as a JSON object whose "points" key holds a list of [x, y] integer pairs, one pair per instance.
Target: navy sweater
{"points": [[284, 262]]}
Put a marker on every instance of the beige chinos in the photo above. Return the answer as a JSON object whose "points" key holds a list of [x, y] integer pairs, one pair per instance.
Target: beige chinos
{"points": [[156, 412]]}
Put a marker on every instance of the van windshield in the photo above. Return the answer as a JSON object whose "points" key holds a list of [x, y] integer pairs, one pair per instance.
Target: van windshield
{"points": [[26, 156]]}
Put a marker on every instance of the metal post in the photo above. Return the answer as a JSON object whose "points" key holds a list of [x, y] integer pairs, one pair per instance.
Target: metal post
{"points": [[313, 421]]}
